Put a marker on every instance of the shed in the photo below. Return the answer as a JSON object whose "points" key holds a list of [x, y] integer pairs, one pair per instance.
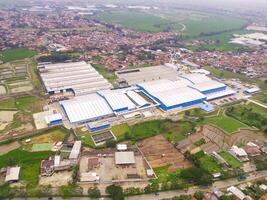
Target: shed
{"points": [[12, 174], [124, 158]]}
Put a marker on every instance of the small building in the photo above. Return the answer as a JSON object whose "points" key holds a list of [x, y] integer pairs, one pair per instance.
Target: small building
{"points": [[239, 153], [98, 126], [124, 158], [121, 147], [236, 192], [252, 150], [89, 177], [12, 174], [263, 187], [54, 119], [252, 90], [76, 150]]}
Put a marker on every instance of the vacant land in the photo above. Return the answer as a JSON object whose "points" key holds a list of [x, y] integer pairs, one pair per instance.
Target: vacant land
{"points": [[257, 109], [48, 137], [5, 148], [220, 73], [228, 124], [110, 76], [29, 162], [230, 159], [16, 54], [84, 135], [160, 153]]}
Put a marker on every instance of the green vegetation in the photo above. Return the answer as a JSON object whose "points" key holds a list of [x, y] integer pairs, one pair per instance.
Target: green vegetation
{"points": [[251, 115], [110, 76], [115, 192], [196, 175], [232, 161], [85, 137], [172, 131], [49, 136], [67, 191], [228, 124], [16, 54], [29, 162], [26, 104], [58, 57], [208, 164], [257, 109], [137, 21], [261, 97], [200, 142], [231, 75], [94, 192]]}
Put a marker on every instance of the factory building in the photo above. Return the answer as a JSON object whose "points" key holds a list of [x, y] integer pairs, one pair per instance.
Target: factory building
{"points": [[77, 77], [172, 94]]}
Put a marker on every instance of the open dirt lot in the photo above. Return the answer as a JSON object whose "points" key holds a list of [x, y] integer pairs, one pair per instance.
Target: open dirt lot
{"points": [[8, 147], [2, 89], [5, 118], [108, 171], [159, 152], [57, 179]]}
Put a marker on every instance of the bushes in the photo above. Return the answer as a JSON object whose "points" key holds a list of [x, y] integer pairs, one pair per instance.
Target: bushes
{"points": [[94, 193], [115, 191], [197, 175]]}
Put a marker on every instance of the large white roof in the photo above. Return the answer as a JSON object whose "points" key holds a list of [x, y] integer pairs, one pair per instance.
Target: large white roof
{"points": [[79, 76], [196, 78], [139, 100], [207, 85], [76, 149], [86, 107], [171, 93]]}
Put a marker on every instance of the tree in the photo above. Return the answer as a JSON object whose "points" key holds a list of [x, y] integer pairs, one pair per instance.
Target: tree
{"points": [[199, 195], [94, 192], [225, 197], [115, 191]]}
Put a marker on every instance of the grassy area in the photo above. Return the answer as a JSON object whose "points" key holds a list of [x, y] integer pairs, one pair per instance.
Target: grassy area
{"points": [[209, 164], [134, 20], [85, 137], [50, 136], [228, 124], [250, 114], [172, 131], [230, 159], [27, 104], [229, 75], [257, 109], [110, 76], [29, 162], [261, 97], [120, 130], [16, 54], [220, 42], [32, 68]]}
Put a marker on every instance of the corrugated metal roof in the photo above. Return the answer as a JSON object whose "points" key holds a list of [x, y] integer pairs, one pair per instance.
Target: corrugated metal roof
{"points": [[124, 157], [86, 108], [12, 174], [53, 117], [76, 149], [139, 100]]}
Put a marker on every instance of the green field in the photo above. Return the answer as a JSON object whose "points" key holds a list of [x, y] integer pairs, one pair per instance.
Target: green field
{"points": [[110, 76], [28, 161], [190, 23], [85, 137], [257, 109], [172, 131], [230, 159], [27, 104], [137, 21], [16, 54], [261, 97], [48, 137], [228, 124]]}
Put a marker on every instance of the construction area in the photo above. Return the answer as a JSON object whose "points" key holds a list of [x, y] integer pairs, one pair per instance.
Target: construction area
{"points": [[159, 152]]}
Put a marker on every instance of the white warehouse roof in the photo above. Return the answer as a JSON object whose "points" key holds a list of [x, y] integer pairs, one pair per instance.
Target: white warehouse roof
{"points": [[208, 85], [88, 107], [53, 117], [138, 100], [170, 93], [117, 100], [81, 77], [196, 78]]}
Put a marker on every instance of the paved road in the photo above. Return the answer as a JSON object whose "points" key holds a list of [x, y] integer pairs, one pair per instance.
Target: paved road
{"points": [[170, 194], [216, 185], [258, 103]]}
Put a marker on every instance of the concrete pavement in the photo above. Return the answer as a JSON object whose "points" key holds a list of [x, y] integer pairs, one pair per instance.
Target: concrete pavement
{"points": [[216, 185]]}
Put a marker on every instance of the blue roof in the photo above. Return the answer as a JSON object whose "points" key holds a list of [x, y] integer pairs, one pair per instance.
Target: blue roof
{"points": [[206, 107]]}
